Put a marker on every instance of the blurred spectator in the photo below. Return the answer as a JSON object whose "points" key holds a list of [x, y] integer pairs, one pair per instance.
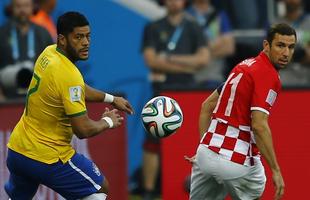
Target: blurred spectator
{"points": [[221, 43], [298, 73], [247, 18], [307, 6], [174, 48], [42, 16], [21, 42], [247, 14], [3, 3]]}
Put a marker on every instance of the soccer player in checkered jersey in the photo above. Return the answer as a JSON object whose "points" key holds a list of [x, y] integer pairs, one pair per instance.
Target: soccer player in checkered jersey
{"points": [[40, 150], [234, 126]]}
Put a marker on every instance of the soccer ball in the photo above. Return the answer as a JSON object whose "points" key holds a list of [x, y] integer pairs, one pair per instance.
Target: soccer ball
{"points": [[161, 116]]}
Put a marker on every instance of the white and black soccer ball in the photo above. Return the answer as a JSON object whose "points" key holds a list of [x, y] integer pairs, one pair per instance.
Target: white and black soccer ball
{"points": [[162, 116]]}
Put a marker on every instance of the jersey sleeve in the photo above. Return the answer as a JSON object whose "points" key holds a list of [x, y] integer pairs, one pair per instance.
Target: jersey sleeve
{"points": [[265, 91], [73, 96]]}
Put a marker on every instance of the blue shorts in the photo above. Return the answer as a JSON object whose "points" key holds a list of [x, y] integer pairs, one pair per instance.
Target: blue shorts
{"points": [[77, 178]]}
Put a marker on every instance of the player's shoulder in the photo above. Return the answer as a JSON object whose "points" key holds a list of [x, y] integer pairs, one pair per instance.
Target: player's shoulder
{"points": [[254, 64], [259, 69], [250, 67], [53, 62], [48, 58], [246, 65]]}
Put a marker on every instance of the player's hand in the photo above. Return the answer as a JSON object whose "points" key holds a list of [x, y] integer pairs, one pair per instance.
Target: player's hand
{"points": [[122, 104], [279, 184], [115, 117], [190, 159]]}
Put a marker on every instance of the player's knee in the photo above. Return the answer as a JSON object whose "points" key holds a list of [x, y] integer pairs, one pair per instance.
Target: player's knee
{"points": [[104, 187], [102, 193]]}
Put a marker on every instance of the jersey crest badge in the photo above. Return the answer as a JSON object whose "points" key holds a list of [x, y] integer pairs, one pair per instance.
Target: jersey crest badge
{"points": [[75, 93]]}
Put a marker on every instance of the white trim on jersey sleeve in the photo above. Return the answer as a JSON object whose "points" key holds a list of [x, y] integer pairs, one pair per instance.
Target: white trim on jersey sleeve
{"points": [[260, 109]]}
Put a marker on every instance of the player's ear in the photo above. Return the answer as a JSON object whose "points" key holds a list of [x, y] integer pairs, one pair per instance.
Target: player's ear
{"points": [[266, 46], [61, 39]]}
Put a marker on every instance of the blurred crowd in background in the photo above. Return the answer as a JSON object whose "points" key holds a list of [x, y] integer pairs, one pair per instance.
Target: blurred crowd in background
{"points": [[230, 30]]}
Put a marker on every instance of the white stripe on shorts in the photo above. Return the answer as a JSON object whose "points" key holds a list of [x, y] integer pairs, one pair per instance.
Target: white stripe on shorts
{"points": [[98, 187]]}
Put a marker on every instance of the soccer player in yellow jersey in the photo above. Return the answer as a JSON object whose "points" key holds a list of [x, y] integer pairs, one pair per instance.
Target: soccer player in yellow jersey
{"points": [[39, 147]]}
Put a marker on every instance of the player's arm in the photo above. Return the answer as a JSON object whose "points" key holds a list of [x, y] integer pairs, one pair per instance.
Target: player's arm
{"points": [[94, 95], [84, 127], [206, 110], [264, 143]]}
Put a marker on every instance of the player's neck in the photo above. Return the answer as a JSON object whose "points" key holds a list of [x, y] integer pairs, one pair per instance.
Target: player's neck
{"points": [[61, 50], [273, 64]]}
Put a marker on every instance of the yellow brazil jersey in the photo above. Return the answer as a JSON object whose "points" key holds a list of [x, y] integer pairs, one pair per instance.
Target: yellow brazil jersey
{"points": [[56, 93]]}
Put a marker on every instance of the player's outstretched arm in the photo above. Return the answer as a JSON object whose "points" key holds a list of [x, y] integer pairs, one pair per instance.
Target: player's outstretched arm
{"points": [[264, 143], [94, 95], [84, 127], [122, 104]]}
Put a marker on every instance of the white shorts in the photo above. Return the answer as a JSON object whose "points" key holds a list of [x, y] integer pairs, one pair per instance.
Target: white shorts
{"points": [[213, 177]]}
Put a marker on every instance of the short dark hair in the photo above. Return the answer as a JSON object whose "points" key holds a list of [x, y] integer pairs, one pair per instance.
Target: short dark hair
{"points": [[282, 29], [70, 20]]}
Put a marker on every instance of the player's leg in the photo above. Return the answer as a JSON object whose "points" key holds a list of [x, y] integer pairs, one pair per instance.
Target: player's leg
{"points": [[77, 179], [205, 187], [102, 193], [104, 187], [203, 184], [96, 196], [250, 186], [21, 185], [20, 188]]}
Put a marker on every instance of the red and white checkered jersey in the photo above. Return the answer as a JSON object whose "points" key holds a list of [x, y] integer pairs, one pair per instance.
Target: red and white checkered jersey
{"points": [[252, 85], [235, 144]]}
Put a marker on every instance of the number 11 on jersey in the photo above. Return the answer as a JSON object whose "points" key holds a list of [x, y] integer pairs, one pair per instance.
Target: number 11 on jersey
{"points": [[231, 83]]}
